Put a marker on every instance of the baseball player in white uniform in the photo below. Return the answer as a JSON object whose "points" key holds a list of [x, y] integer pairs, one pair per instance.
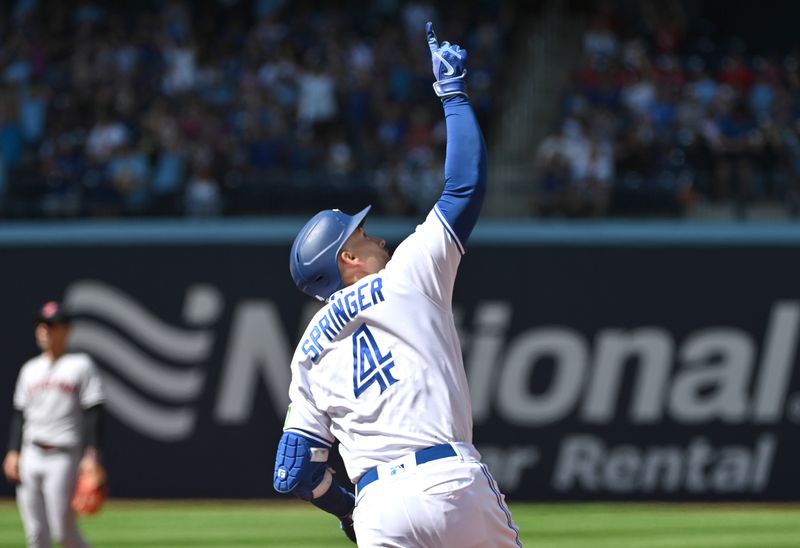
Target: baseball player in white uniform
{"points": [[55, 429], [379, 367]]}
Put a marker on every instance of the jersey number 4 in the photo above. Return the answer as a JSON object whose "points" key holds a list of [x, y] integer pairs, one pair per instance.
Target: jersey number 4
{"points": [[370, 365]]}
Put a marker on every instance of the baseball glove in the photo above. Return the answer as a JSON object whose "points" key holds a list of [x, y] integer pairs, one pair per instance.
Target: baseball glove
{"points": [[90, 493]]}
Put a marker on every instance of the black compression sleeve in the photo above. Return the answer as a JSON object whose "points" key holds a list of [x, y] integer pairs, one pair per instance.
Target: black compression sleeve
{"points": [[15, 431], [93, 426]]}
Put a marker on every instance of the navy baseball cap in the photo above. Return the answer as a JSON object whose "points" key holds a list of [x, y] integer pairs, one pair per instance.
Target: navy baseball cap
{"points": [[313, 261], [52, 313]]}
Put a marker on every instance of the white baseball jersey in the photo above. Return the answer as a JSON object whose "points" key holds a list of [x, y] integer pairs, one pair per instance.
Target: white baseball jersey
{"points": [[379, 367], [52, 396]]}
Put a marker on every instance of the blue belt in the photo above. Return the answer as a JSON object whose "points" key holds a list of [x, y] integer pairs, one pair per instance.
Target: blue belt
{"points": [[422, 456]]}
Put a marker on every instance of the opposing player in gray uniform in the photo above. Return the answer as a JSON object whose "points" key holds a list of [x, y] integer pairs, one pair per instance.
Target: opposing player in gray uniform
{"points": [[55, 431], [379, 367]]}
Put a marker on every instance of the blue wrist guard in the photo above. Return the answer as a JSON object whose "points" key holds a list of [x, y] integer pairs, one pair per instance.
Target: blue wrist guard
{"points": [[336, 500], [451, 86]]}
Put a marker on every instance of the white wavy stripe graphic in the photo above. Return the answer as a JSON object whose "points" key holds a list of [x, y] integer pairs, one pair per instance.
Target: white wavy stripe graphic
{"points": [[157, 422], [151, 376], [114, 306]]}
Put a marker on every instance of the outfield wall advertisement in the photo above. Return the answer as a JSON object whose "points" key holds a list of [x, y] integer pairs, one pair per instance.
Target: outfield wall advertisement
{"points": [[599, 372]]}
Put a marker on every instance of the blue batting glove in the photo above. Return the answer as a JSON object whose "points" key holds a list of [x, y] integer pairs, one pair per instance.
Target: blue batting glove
{"points": [[449, 66]]}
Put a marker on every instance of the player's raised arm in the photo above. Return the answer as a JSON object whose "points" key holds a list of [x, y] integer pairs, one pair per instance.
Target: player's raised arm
{"points": [[465, 164]]}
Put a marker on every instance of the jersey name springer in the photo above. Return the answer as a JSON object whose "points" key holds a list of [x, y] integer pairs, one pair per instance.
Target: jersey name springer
{"points": [[339, 312]]}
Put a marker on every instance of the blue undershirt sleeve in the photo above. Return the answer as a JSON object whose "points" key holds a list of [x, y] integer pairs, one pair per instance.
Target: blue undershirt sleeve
{"points": [[464, 169]]}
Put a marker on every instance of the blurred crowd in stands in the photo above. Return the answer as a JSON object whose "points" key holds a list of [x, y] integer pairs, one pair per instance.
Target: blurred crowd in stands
{"points": [[229, 106], [663, 113], [237, 107]]}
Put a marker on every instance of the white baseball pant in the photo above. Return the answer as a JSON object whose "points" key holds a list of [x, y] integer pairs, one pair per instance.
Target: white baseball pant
{"points": [[47, 483], [451, 502]]}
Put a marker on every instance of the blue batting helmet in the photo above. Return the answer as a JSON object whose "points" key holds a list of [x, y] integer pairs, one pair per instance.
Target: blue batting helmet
{"points": [[314, 260]]}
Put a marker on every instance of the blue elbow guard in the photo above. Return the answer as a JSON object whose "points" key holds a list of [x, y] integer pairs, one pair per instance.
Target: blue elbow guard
{"points": [[299, 465], [300, 469]]}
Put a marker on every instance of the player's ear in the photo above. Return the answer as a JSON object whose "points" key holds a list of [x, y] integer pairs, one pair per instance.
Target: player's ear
{"points": [[348, 264], [346, 257]]}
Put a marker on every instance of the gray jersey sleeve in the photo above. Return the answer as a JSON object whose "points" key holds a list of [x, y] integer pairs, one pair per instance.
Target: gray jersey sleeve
{"points": [[91, 387], [20, 392]]}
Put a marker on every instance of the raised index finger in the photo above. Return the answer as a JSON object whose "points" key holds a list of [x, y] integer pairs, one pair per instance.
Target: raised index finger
{"points": [[432, 42]]}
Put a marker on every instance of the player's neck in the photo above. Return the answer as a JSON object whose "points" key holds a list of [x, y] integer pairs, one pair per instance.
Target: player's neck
{"points": [[54, 353], [353, 275]]}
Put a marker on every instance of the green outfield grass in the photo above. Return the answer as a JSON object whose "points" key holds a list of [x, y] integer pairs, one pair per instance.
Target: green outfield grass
{"points": [[148, 524]]}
